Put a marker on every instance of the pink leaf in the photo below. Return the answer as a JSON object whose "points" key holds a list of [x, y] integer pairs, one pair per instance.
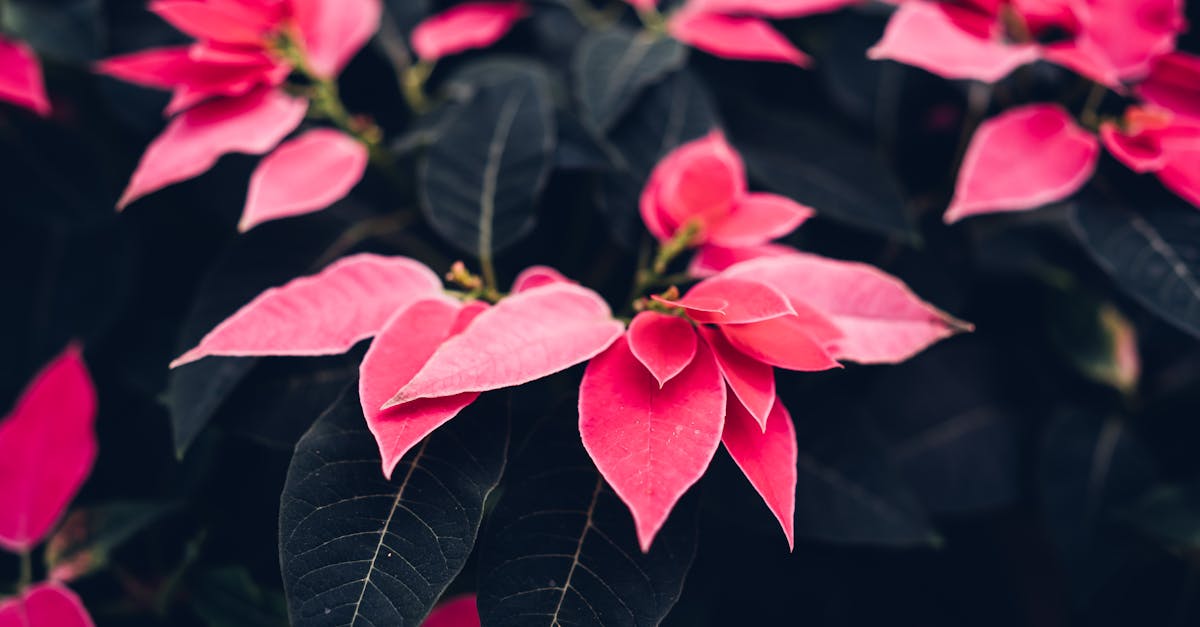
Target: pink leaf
{"points": [[881, 319], [396, 354], [926, 35], [650, 443], [756, 218], [1174, 83], [698, 182], [537, 276], [226, 21], [745, 38], [734, 300], [527, 336], [47, 446], [459, 611], [1130, 34], [323, 314], [752, 381], [193, 141], [664, 344], [711, 260], [304, 175], [770, 8], [333, 31], [1181, 173], [21, 77], [789, 342], [197, 72], [45, 605], [1022, 159], [767, 458], [466, 26]]}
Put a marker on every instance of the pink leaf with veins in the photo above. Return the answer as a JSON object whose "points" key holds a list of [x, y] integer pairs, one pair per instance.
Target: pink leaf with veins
{"points": [[734, 300], [304, 175], [323, 314], [770, 8], [731, 37], [650, 443], [47, 447], [396, 354], [333, 31], [21, 77], [767, 458], [1174, 83], [525, 337], [756, 218], [752, 381], [881, 320], [790, 342], [712, 260], [664, 344], [466, 26], [194, 141], [537, 276], [925, 34], [1023, 159], [45, 605], [458, 611]]}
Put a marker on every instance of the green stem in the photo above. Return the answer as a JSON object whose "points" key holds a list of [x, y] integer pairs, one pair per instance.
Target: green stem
{"points": [[412, 84], [26, 570], [589, 16], [1090, 107], [491, 290]]}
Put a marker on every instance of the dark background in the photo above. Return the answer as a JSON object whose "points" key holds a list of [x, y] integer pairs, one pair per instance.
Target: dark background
{"points": [[989, 481]]}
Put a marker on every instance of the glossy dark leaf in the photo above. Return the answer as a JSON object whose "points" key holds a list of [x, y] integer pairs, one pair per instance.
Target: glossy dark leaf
{"points": [[823, 166], [357, 549], [1151, 249], [675, 111], [86, 538], [1091, 470], [481, 177], [848, 491], [612, 67], [560, 548], [262, 258], [230, 597], [69, 30]]}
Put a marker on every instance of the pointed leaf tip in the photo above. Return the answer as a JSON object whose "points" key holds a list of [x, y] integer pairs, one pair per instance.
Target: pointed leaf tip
{"points": [[650, 443], [664, 344], [767, 458], [1023, 159], [304, 175], [47, 448], [322, 314]]}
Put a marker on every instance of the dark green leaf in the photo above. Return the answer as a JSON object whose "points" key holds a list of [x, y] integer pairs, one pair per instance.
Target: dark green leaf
{"points": [[70, 30], [357, 549], [671, 113], [1172, 515], [229, 597], [849, 491], [482, 175], [1152, 249], [85, 540], [823, 166], [560, 548], [265, 257], [612, 67]]}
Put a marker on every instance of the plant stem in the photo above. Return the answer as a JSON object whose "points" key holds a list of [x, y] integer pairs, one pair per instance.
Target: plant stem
{"points": [[589, 16], [491, 291], [412, 85], [26, 570], [1094, 98]]}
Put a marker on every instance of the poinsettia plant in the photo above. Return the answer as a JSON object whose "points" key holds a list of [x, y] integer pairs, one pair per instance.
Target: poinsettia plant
{"points": [[550, 312]]}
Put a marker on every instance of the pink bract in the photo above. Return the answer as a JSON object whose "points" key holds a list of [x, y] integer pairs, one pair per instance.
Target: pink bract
{"points": [[735, 37], [305, 174], [1022, 159], [459, 611], [767, 458], [650, 443], [323, 314], [464, 27], [47, 447], [45, 605], [21, 77], [703, 183], [664, 344]]}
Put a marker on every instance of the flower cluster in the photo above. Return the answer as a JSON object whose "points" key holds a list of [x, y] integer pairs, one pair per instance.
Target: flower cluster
{"points": [[658, 397], [1037, 154]]}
